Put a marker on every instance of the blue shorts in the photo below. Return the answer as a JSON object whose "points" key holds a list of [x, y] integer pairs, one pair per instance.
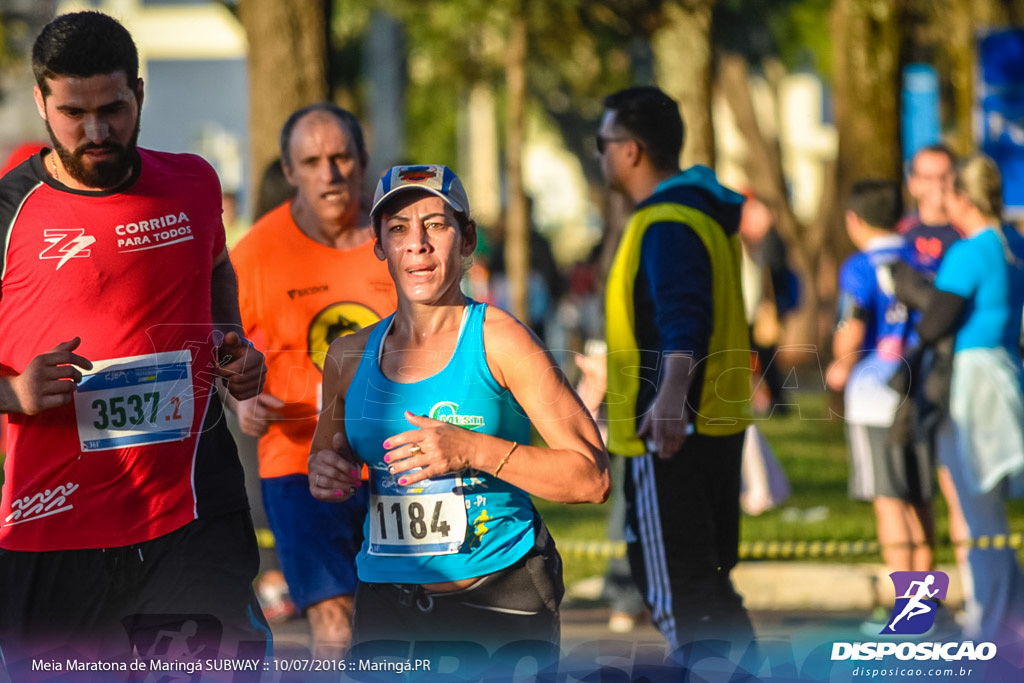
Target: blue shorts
{"points": [[316, 542]]}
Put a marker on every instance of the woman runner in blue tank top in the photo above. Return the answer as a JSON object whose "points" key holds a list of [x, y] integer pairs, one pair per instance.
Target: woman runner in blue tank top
{"points": [[437, 401]]}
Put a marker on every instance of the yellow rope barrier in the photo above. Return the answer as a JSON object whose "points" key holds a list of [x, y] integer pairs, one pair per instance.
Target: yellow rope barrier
{"points": [[748, 550]]}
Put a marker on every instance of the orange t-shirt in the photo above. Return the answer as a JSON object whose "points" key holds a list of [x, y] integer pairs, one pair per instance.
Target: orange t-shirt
{"points": [[296, 296]]}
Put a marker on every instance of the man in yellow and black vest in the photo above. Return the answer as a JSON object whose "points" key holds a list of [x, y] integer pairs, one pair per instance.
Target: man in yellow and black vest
{"points": [[678, 369]]}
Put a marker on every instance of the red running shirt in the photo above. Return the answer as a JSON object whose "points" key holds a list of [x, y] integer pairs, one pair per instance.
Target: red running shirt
{"points": [[129, 272]]}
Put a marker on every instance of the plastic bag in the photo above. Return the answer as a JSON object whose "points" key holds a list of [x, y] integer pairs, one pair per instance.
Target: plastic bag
{"points": [[764, 482]]}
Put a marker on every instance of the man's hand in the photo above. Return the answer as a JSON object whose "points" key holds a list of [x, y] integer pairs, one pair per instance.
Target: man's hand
{"points": [[48, 381], [667, 424], [255, 414], [241, 365], [334, 473]]}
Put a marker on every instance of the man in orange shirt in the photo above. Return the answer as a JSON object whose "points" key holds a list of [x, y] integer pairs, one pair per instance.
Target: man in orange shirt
{"points": [[307, 274]]}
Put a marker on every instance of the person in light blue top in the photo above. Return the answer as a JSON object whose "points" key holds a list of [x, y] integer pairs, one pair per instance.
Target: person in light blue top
{"points": [[437, 400], [980, 296], [994, 294]]}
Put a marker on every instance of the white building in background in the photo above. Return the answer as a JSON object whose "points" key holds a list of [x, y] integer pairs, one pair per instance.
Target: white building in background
{"points": [[798, 120], [809, 141], [562, 210]]}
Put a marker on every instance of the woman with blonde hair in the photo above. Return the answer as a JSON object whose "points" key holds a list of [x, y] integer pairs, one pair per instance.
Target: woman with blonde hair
{"points": [[980, 297]]}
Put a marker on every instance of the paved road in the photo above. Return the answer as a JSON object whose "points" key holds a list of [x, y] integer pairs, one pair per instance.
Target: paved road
{"points": [[791, 646], [785, 640], [586, 623]]}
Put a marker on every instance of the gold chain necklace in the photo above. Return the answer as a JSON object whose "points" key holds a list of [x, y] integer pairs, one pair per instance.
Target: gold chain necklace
{"points": [[53, 162]]}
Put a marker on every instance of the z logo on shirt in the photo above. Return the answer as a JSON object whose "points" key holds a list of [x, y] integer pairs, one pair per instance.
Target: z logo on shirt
{"points": [[66, 244]]}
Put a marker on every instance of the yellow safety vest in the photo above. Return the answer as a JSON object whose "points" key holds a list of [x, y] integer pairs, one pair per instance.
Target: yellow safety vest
{"points": [[725, 395]]}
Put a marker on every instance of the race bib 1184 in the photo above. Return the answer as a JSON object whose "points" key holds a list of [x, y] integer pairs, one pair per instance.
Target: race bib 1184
{"points": [[425, 518]]}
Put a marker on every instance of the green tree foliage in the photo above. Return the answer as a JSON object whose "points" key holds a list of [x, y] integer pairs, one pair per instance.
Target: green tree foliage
{"points": [[580, 53], [446, 51], [794, 31], [577, 53]]}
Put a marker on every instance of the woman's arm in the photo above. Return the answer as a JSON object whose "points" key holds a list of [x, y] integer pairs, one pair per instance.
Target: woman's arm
{"points": [[573, 468], [943, 316], [333, 466], [912, 288], [960, 274]]}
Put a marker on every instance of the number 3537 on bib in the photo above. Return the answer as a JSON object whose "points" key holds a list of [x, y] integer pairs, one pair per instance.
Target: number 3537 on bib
{"points": [[135, 401]]}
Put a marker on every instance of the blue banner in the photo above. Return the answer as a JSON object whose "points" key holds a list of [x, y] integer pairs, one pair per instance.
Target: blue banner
{"points": [[1001, 110], [920, 111]]}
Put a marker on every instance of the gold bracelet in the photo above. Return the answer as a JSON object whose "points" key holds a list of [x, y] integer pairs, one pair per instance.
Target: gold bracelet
{"points": [[508, 455]]}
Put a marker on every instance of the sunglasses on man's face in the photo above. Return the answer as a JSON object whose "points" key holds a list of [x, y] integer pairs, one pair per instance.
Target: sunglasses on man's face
{"points": [[602, 142]]}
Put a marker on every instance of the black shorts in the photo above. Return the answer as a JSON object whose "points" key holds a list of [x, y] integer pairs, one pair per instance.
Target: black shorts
{"points": [[514, 610], [186, 595]]}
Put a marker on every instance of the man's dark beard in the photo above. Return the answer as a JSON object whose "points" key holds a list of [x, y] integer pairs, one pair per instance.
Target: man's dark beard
{"points": [[102, 175]]}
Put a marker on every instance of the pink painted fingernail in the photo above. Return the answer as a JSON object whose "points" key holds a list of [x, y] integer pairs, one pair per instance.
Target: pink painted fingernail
{"points": [[402, 481], [355, 473], [358, 484], [387, 444], [338, 493], [387, 458]]}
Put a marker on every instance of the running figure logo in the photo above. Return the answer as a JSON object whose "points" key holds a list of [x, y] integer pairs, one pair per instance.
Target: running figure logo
{"points": [[917, 596]]}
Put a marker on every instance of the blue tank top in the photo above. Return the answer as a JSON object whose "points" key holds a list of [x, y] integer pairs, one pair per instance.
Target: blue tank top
{"points": [[446, 528]]}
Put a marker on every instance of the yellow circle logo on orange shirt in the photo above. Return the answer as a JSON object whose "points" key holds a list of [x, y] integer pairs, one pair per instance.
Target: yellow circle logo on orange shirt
{"points": [[335, 321]]}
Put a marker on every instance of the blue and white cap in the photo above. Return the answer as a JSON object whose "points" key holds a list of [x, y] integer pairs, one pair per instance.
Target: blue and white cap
{"points": [[438, 180]]}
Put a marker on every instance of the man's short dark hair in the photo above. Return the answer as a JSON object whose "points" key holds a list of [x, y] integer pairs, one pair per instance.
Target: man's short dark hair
{"points": [[347, 118], [83, 44], [653, 118], [877, 202]]}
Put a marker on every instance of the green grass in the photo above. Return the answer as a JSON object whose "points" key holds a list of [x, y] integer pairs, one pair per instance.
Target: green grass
{"points": [[812, 450], [810, 446]]}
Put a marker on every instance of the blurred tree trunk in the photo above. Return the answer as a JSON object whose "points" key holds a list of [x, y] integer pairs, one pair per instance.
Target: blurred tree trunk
{"points": [[479, 155], [287, 68], [517, 222], [867, 57], [867, 41], [385, 50], [682, 58], [956, 25], [768, 181]]}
